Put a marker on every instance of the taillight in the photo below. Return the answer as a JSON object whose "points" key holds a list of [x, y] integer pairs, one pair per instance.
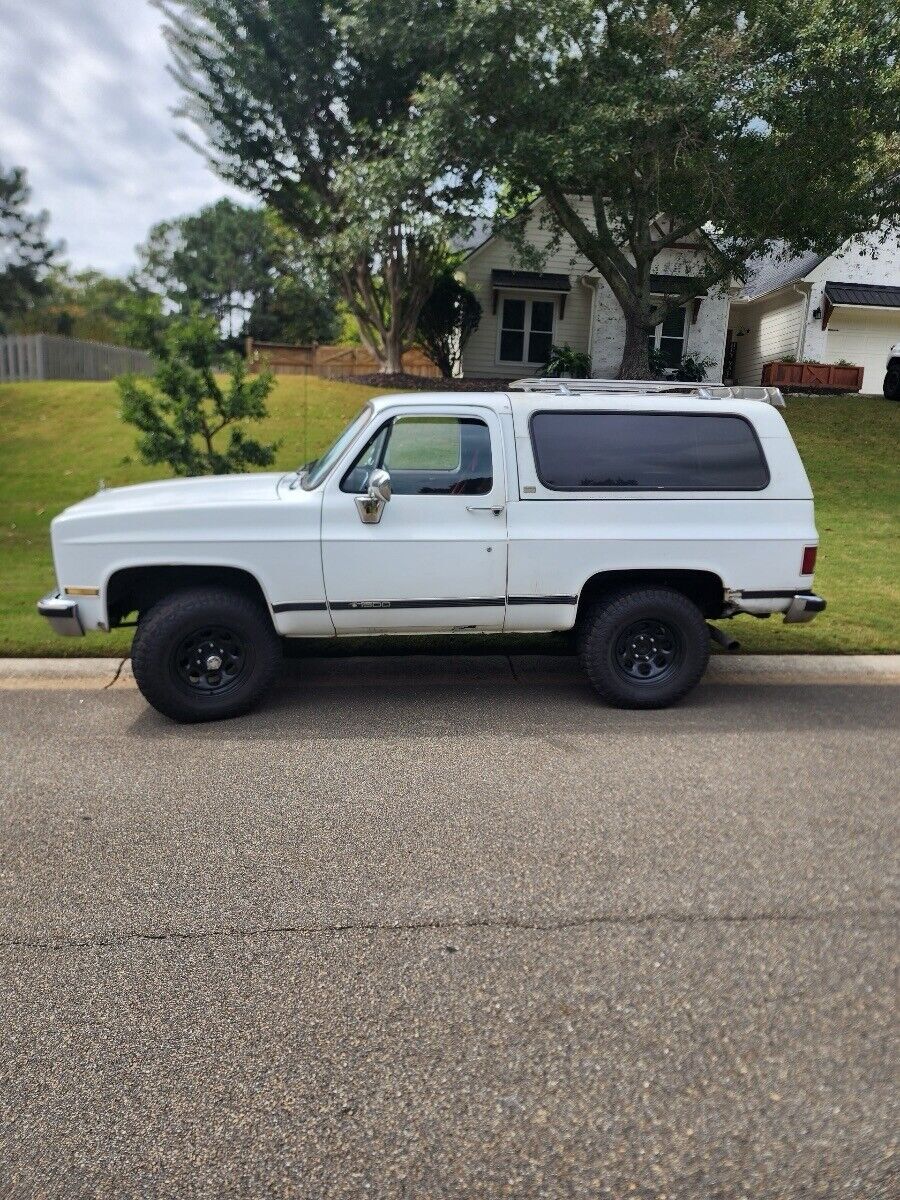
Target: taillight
{"points": [[809, 560]]}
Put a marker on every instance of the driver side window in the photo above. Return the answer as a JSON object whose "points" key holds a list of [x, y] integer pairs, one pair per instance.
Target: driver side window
{"points": [[427, 456]]}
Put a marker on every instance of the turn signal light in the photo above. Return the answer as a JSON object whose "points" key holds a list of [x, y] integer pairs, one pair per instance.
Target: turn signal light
{"points": [[809, 560]]}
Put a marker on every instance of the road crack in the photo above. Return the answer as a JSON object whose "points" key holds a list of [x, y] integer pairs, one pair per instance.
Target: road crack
{"points": [[511, 924]]}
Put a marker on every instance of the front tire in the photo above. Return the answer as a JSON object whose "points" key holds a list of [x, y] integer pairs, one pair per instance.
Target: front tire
{"points": [[892, 383], [204, 654], [644, 648]]}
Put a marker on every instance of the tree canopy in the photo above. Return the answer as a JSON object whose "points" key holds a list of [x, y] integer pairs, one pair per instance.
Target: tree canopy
{"points": [[26, 253], [242, 267], [301, 106], [739, 123]]}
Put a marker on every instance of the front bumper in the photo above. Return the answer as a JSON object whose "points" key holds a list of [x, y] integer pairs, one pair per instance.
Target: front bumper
{"points": [[62, 615], [803, 607]]}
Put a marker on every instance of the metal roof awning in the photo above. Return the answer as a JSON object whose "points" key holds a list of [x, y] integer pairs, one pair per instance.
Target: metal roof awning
{"points": [[531, 281], [857, 295], [674, 285], [874, 295]]}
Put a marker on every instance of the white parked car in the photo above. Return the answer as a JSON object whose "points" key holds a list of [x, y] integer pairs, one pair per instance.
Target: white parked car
{"points": [[629, 513]]}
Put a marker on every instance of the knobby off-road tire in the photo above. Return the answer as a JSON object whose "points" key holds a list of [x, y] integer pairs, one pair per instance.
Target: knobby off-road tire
{"points": [[644, 648], [203, 654]]}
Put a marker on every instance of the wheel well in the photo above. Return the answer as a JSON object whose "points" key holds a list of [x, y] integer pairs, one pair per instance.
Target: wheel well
{"points": [[135, 589], [703, 587]]}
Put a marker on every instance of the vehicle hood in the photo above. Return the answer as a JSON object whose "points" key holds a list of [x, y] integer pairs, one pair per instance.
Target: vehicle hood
{"points": [[204, 490]]}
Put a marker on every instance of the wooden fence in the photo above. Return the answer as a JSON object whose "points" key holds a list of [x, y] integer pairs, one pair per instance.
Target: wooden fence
{"points": [[329, 361], [46, 356]]}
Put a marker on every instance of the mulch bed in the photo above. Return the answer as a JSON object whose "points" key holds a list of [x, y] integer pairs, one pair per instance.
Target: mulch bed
{"points": [[423, 383]]}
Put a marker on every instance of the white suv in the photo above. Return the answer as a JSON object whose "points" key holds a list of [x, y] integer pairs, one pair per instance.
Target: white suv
{"points": [[629, 513]]}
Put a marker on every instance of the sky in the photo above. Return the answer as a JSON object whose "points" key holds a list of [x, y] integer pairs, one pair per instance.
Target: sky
{"points": [[85, 107]]}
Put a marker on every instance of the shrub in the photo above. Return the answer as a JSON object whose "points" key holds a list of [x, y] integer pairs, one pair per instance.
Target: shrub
{"points": [[182, 412], [449, 317], [566, 361]]}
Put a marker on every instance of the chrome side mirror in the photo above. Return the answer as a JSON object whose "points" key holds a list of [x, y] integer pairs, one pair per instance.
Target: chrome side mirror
{"points": [[379, 485], [378, 492]]}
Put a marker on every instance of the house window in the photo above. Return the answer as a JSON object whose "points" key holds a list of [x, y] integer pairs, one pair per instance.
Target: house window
{"points": [[668, 337], [526, 330]]}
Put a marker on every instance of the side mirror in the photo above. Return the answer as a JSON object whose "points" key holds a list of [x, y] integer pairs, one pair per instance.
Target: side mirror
{"points": [[379, 485], [378, 492]]}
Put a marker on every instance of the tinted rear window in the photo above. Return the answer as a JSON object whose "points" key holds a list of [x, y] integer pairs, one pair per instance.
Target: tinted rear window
{"points": [[595, 451]]}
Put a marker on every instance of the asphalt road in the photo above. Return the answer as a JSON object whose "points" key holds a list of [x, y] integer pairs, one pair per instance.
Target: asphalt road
{"points": [[454, 934]]}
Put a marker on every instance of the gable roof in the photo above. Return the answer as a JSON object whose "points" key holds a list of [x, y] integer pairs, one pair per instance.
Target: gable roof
{"points": [[777, 270]]}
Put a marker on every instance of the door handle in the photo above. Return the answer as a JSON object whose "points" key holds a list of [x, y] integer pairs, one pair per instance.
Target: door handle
{"points": [[496, 509]]}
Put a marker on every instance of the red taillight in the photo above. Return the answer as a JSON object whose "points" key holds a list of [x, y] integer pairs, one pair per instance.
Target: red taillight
{"points": [[809, 560]]}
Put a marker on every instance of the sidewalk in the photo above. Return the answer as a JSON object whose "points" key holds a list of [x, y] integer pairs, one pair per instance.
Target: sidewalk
{"points": [[97, 674]]}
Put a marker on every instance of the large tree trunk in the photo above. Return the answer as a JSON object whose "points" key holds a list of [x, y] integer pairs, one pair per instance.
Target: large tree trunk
{"points": [[635, 356], [392, 362]]}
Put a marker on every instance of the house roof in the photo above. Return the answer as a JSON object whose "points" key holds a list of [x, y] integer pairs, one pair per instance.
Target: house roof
{"points": [[777, 270], [878, 295], [482, 231]]}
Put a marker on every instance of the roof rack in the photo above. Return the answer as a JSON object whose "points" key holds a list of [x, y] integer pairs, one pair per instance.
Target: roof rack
{"points": [[649, 387]]}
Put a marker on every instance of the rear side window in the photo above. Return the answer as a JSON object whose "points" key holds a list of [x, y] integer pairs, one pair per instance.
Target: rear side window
{"points": [[598, 451]]}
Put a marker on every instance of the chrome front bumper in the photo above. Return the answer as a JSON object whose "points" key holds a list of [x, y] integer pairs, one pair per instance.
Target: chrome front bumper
{"points": [[803, 607], [62, 615]]}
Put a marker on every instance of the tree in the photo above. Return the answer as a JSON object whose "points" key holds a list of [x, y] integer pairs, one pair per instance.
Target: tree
{"points": [[240, 265], [736, 123], [302, 106], [448, 319], [182, 412], [26, 254], [91, 305]]}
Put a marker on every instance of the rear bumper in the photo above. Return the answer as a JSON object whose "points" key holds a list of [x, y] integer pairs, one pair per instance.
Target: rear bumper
{"points": [[803, 607], [62, 615]]}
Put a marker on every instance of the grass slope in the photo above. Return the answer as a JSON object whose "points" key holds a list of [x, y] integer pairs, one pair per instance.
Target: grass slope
{"points": [[58, 439]]}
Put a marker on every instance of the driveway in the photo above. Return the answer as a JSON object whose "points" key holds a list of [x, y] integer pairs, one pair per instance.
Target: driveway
{"points": [[446, 928]]}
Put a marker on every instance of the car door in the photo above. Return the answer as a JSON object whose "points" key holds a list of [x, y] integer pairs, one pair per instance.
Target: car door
{"points": [[434, 556]]}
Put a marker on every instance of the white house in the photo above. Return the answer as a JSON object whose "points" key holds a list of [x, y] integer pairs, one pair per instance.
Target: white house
{"points": [[567, 302], [843, 306]]}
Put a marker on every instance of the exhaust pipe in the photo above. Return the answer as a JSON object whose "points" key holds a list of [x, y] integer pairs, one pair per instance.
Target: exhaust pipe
{"points": [[727, 643]]}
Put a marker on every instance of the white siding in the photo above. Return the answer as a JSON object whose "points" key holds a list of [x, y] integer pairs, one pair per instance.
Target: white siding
{"points": [[704, 337], [765, 332], [772, 327], [480, 354], [854, 265]]}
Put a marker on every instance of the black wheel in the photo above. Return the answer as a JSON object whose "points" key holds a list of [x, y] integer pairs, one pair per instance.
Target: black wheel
{"points": [[204, 653], [644, 648], [892, 383]]}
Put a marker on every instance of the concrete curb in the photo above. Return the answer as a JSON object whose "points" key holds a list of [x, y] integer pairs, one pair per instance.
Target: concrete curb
{"points": [[98, 674]]}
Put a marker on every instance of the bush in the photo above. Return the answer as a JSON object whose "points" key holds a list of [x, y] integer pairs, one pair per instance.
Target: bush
{"points": [[449, 317], [182, 412], [564, 360]]}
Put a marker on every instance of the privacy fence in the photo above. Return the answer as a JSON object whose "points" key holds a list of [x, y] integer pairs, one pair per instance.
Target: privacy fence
{"points": [[46, 356], [329, 361]]}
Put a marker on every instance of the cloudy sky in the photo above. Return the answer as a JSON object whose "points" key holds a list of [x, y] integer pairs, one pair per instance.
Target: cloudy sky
{"points": [[85, 104]]}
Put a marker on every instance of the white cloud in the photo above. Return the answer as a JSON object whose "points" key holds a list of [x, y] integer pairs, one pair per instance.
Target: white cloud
{"points": [[85, 107]]}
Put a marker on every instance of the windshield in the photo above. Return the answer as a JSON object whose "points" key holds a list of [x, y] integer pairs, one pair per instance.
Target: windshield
{"points": [[320, 468]]}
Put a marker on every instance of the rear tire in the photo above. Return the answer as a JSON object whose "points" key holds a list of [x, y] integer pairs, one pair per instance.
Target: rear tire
{"points": [[892, 383], [644, 648], [204, 654]]}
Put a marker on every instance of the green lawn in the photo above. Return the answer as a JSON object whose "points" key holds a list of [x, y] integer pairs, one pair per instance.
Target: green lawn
{"points": [[58, 439]]}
